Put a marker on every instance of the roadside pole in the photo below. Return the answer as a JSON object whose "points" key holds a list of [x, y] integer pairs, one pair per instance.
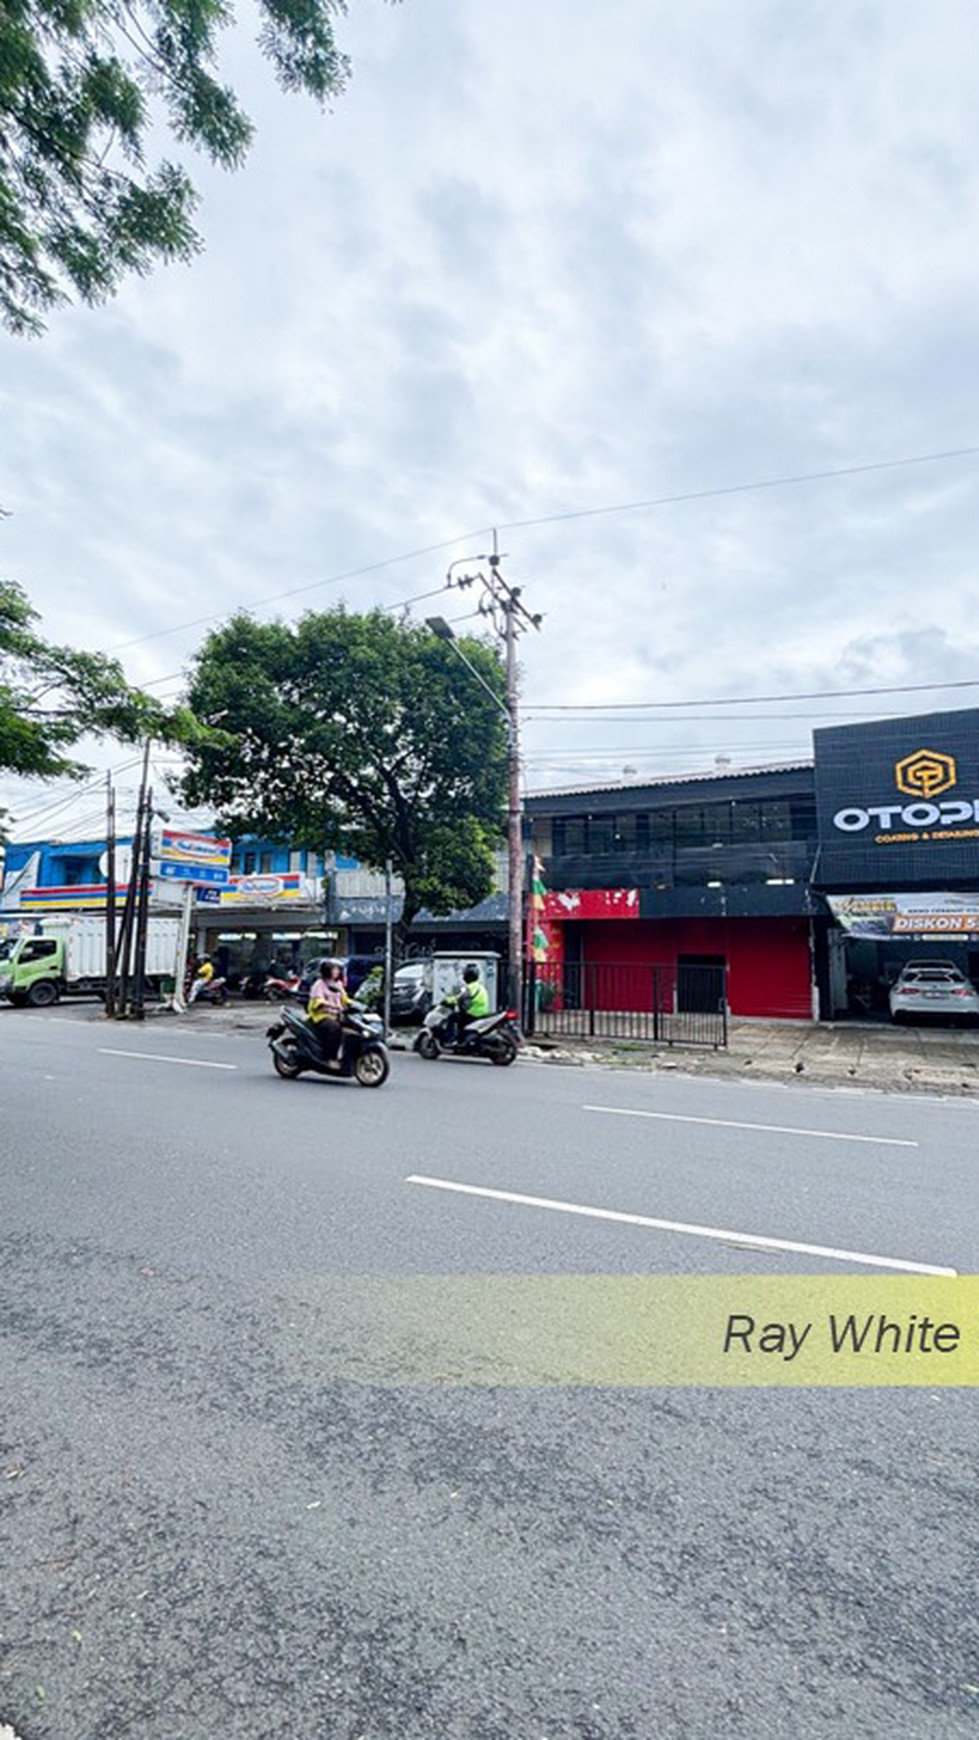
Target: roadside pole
{"points": [[110, 898], [388, 946], [179, 1002], [142, 914]]}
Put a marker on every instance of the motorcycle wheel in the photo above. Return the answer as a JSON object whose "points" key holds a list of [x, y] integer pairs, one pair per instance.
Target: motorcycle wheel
{"points": [[504, 1051], [287, 1067], [426, 1046], [372, 1068]]}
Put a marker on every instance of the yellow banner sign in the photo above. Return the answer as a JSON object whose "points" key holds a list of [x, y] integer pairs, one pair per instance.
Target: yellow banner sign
{"points": [[746, 1331]]}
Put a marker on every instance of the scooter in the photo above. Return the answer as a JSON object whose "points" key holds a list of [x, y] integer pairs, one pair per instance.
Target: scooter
{"points": [[494, 1036], [363, 1055], [212, 991], [282, 990]]}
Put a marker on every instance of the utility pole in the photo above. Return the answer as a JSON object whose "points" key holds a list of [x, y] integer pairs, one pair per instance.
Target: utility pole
{"points": [[500, 602], [110, 898]]}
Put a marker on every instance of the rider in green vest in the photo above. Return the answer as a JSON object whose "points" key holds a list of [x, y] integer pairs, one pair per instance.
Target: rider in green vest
{"points": [[472, 1004]]}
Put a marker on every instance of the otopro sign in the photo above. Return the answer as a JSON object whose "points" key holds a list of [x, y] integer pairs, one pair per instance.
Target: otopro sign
{"points": [[899, 797]]}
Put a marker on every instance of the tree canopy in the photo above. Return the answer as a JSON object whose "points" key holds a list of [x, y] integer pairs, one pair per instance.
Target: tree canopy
{"points": [[51, 696], [83, 84], [359, 734]]}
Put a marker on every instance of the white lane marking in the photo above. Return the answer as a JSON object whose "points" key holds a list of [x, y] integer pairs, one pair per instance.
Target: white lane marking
{"points": [[159, 1057], [680, 1226], [736, 1124]]}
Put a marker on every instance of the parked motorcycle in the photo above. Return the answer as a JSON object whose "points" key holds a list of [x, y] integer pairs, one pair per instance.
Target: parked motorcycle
{"points": [[363, 1055], [284, 988], [494, 1036]]}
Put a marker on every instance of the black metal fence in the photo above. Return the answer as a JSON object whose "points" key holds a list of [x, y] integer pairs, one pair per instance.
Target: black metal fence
{"points": [[668, 1005]]}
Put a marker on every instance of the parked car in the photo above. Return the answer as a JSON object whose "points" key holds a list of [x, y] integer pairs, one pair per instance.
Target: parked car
{"points": [[411, 992], [933, 987]]}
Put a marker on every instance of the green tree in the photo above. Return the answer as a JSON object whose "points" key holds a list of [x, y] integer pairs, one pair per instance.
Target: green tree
{"points": [[51, 696], [359, 734], [82, 85]]}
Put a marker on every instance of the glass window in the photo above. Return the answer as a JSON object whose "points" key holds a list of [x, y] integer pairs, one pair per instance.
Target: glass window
{"points": [[247, 863], [803, 814], [574, 833], [624, 834], [689, 827], [660, 824], [717, 824], [775, 822], [37, 949], [295, 860], [599, 834], [266, 864], [745, 821]]}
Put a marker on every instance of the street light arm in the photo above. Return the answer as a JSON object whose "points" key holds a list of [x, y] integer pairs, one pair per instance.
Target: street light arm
{"points": [[441, 629]]}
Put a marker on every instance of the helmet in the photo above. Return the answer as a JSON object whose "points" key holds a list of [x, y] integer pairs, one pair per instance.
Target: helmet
{"points": [[470, 974]]}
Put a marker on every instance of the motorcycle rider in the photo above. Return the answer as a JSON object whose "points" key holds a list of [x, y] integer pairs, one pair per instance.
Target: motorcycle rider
{"points": [[472, 1003], [203, 975], [324, 1011]]}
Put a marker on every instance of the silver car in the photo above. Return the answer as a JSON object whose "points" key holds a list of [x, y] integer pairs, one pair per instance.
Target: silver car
{"points": [[933, 987]]}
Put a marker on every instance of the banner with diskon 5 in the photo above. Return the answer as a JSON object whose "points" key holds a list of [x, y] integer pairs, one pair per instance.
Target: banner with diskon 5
{"points": [[898, 798], [915, 916]]}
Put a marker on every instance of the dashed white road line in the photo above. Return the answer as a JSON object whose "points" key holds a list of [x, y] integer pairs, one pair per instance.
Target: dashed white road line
{"points": [[753, 1240], [737, 1124], [161, 1057]]}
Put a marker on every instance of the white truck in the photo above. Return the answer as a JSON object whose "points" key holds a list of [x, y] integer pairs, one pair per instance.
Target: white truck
{"points": [[58, 957]]}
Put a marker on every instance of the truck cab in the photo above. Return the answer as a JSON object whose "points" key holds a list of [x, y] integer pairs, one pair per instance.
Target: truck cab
{"points": [[32, 969]]}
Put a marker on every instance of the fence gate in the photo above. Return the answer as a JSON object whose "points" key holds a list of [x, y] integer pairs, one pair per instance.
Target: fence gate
{"points": [[684, 1004]]}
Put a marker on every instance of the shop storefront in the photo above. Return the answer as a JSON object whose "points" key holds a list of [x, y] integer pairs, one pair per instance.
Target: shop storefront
{"points": [[897, 871]]}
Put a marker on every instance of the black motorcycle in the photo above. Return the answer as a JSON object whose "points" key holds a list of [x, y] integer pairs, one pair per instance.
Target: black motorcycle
{"points": [[494, 1036], [363, 1055]]}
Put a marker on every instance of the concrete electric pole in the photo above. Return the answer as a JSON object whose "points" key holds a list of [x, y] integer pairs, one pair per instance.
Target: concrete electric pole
{"points": [[500, 603]]}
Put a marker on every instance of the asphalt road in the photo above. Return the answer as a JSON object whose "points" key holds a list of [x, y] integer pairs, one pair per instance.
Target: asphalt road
{"points": [[243, 1496]]}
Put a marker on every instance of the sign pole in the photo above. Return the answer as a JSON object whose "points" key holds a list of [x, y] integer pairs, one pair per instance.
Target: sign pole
{"points": [[183, 944]]}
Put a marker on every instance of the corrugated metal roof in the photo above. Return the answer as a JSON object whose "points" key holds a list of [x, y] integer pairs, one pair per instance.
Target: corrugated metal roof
{"points": [[659, 779]]}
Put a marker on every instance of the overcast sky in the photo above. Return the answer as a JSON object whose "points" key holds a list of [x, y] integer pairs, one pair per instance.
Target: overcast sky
{"points": [[542, 259]]}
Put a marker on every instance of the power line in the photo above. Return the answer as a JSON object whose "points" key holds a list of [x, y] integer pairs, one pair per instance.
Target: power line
{"points": [[739, 489], [755, 486], [593, 707]]}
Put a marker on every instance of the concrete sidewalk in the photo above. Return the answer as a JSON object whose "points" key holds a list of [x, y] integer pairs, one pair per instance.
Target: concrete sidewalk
{"points": [[849, 1054]]}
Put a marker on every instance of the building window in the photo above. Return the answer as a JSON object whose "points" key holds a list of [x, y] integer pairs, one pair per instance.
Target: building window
{"points": [[624, 834], [248, 863], [295, 861], [776, 821], [599, 834], [660, 826], [266, 864], [745, 822]]}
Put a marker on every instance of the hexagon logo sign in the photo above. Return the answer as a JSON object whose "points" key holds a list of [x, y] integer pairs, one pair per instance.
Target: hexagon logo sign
{"points": [[925, 774]]}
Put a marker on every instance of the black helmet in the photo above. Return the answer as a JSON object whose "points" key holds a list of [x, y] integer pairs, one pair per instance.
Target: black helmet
{"points": [[470, 974]]}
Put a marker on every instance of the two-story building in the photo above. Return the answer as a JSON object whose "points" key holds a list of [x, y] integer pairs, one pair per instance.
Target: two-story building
{"points": [[687, 872]]}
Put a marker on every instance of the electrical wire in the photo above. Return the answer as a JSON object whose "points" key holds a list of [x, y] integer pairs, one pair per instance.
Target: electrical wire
{"points": [[619, 707], [713, 494]]}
